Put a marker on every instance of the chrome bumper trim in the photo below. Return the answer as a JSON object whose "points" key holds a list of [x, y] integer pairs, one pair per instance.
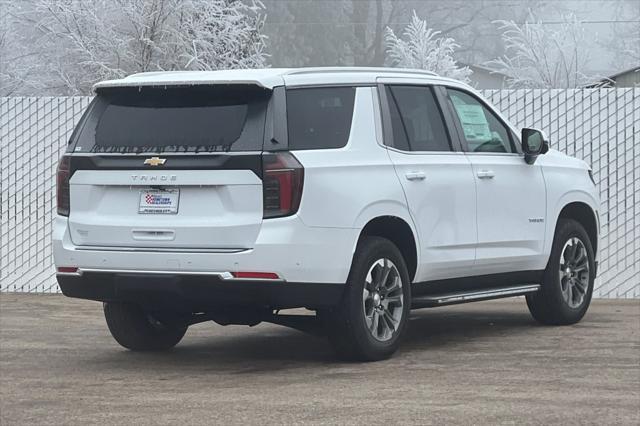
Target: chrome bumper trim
{"points": [[160, 249], [223, 275]]}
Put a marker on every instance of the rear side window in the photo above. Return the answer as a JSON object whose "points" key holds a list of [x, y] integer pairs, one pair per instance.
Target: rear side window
{"points": [[319, 118], [192, 119], [416, 120]]}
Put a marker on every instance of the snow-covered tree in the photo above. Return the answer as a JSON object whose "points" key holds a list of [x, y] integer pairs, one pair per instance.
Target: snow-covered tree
{"points": [[222, 35], [7, 82], [13, 69], [624, 40], [84, 41], [424, 48], [544, 56]]}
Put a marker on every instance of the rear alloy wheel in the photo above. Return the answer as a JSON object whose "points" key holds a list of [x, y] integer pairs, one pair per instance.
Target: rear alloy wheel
{"points": [[373, 314], [382, 299], [137, 330], [567, 284]]}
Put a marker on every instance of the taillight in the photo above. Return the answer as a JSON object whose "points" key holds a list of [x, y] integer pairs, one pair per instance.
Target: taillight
{"points": [[62, 185], [282, 182]]}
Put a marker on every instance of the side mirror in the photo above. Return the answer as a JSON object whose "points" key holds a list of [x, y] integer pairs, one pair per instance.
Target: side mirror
{"points": [[534, 143]]}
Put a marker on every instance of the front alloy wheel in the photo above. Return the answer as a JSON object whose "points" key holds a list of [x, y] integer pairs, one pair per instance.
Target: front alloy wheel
{"points": [[567, 283], [574, 272]]}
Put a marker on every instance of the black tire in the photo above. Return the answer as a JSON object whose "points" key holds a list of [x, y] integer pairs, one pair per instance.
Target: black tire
{"points": [[135, 329], [347, 328], [548, 306]]}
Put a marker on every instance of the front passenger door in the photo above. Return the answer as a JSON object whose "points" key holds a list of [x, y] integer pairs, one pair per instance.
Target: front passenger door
{"points": [[511, 194]]}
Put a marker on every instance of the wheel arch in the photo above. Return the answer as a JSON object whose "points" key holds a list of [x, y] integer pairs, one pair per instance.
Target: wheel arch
{"points": [[586, 216], [400, 233]]}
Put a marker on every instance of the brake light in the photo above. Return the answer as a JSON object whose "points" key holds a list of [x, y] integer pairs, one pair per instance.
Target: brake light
{"points": [[282, 182], [62, 185]]}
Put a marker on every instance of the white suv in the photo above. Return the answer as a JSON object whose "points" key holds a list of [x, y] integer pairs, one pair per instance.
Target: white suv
{"points": [[358, 193]]}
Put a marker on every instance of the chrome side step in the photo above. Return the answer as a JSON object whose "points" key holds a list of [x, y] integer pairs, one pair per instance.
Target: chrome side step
{"points": [[434, 300]]}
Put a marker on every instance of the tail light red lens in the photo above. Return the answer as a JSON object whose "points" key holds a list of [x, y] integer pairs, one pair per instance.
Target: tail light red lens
{"points": [[282, 182], [256, 275], [62, 185]]}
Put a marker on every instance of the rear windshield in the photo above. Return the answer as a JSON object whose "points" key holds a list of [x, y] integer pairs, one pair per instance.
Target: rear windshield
{"points": [[319, 117], [192, 119]]}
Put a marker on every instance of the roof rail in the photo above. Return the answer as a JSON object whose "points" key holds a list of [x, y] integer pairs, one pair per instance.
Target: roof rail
{"points": [[318, 70]]}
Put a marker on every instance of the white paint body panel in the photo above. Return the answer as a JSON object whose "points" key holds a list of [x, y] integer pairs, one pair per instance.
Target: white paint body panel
{"points": [[443, 207], [347, 187], [511, 213], [463, 225], [296, 252], [565, 183], [217, 209]]}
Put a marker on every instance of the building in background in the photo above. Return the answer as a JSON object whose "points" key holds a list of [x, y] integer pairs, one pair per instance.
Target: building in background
{"points": [[626, 78], [485, 78]]}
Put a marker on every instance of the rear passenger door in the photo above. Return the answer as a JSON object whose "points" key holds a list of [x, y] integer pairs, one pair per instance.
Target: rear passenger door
{"points": [[511, 194], [437, 180]]}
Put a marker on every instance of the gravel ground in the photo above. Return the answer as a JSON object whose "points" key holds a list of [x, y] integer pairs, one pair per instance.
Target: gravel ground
{"points": [[482, 363]]}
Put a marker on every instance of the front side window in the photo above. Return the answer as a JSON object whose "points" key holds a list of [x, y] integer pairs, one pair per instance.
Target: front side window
{"points": [[319, 117], [482, 130], [416, 120]]}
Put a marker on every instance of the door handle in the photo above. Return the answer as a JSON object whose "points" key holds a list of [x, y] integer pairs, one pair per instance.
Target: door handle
{"points": [[415, 175], [486, 174]]}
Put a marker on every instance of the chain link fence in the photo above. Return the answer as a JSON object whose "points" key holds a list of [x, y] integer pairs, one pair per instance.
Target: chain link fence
{"points": [[601, 126], [33, 135]]}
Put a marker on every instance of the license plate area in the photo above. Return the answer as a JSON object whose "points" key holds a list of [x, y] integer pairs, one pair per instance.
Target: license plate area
{"points": [[159, 201]]}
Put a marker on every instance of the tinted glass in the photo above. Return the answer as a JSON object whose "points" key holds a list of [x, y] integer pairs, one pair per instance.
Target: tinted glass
{"points": [[175, 120], [416, 120], [482, 130], [319, 118], [400, 140]]}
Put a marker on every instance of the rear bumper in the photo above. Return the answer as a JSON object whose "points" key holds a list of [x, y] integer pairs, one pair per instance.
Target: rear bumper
{"points": [[196, 293], [294, 251]]}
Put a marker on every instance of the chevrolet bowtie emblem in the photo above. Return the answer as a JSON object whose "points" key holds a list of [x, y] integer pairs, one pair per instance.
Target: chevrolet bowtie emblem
{"points": [[155, 161]]}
